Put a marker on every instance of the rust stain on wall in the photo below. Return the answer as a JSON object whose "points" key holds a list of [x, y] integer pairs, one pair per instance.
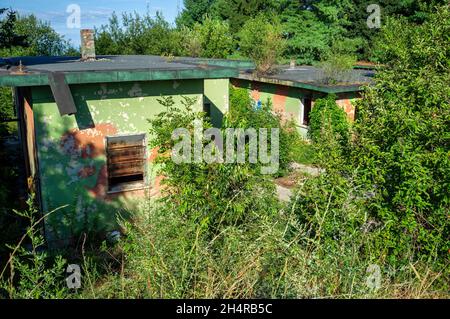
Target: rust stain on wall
{"points": [[255, 92], [348, 107], [279, 99], [86, 171], [90, 142], [153, 154]]}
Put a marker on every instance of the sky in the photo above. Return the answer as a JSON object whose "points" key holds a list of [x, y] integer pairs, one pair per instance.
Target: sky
{"points": [[93, 13]]}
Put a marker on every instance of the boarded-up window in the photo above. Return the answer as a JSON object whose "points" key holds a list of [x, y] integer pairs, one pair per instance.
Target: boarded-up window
{"points": [[306, 110], [126, 160]]}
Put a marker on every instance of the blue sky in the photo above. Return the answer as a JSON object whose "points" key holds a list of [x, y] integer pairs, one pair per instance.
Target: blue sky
{"points": [[93, 12]]}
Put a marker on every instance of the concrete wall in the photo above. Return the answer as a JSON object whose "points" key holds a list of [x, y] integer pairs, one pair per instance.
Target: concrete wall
{"points": [[217, 94], [71, 149], [289, 100]]}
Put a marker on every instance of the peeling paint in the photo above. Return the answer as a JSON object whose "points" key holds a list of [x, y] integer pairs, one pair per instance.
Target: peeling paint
{"points": [[136, 91], [89, 142], [71, 149]]}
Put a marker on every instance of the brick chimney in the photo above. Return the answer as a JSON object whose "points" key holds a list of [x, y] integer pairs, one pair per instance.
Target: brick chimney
{"points": [[292, 64], [87, 45]]}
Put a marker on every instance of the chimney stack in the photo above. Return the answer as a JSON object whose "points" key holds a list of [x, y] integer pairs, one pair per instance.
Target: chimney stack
{"points": [[87, 45], [293, 64]]}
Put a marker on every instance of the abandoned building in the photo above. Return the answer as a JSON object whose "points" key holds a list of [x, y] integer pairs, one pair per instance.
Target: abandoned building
{"points": [[293, 90], [84, 123], [84, 129]]}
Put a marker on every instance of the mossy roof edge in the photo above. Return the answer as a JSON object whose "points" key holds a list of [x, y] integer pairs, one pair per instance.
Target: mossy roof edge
{"points": [[41, 78], [307, 86]]}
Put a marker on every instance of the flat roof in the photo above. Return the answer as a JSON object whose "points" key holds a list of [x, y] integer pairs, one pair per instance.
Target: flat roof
{"points": [[111, 69], [313, 78], [125, 68]]}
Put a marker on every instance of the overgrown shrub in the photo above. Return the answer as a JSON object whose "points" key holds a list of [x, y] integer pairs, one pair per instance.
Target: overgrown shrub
{"points": [[402, 141], [395, 173], [336, 68], [215, 194], [30, 273], [245, 114], [138, 34], [327, 117], [261, 40], [210, 39]]}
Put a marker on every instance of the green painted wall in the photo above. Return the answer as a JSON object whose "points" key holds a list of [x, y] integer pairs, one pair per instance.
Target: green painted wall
{"points": [[217, 94], [288, 100], [284, 99], [71, 157]]}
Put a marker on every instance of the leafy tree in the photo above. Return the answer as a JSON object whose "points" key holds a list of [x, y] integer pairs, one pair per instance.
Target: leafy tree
{"points": [[27, 35], [212, 39], [194, 12], [41, 37], [389, 188], [237, 12], [261, 41], [402, 138], [8, 34], [138, 34], [311, 27], [415, 11]]}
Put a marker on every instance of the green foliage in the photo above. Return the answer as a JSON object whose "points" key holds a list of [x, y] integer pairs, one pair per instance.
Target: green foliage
{"points": [[337, 68], [388, 189], [27, 35], [302, 152], [31, 274], [8, 34], [414, 11], [238, 12], [403, 142], [138, 34], [211, 39], [215, 194], [244, 114], [6, 110], [261, 41], [326, 116], [311, 28], [166, 255], [41, 37], [194, 11]]}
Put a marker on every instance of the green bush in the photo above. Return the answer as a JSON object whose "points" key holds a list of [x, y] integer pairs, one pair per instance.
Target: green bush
{"points": [[215, 194], [326, 116], [33, 274], [244, 114], [402, 141], [261, 41], [337, 69], [389, 185], [211, 39]]}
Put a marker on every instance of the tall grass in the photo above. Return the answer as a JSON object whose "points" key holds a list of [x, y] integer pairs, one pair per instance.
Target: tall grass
{"points": [[164, 256]]}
